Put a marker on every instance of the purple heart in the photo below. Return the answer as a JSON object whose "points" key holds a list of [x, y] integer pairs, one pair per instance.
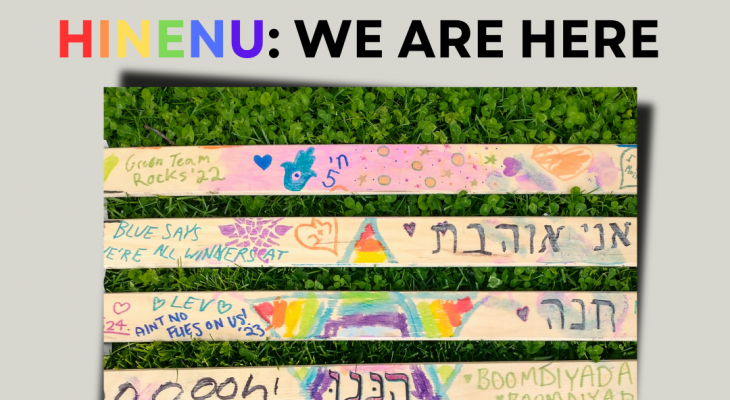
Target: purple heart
{"points": [[511, 166], [522, 313], [410, 228]]}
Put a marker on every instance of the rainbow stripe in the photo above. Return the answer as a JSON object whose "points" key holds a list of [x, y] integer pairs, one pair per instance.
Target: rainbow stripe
{"points": [[368, 249], [297, 317], [305, 317], [440, 317]]}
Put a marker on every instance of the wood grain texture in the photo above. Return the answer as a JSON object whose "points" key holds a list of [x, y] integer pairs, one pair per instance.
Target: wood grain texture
{"points": [[297, 315], [526, 380], [382, 241], [369, 169]]}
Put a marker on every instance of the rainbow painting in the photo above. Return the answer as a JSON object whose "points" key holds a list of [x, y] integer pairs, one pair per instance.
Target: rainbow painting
{"points": [[441, 317], [369, 247], [366, 315]]}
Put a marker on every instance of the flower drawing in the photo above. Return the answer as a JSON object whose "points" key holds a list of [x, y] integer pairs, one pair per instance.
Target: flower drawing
{"points": [[255, 233]]}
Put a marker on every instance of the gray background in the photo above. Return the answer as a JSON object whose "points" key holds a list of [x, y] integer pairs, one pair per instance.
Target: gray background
{"points": [[52, 132]]}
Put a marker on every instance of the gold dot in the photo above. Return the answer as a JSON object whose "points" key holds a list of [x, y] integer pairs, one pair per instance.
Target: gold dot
{"points": [[430, 182], [383, 150], [417, 165], [384, 180], [457, 159]]}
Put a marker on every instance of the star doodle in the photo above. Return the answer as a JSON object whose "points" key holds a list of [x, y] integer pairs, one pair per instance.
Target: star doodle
{"points": [[425, 151], [362, 178], [490, 160], [474, 182], [447, 173]]}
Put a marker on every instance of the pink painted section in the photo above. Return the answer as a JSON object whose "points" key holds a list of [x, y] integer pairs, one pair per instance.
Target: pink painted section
{"points": [[147, 392], [607, 173], [363, 168], [367, 168], [238, 296], [526, 184]]}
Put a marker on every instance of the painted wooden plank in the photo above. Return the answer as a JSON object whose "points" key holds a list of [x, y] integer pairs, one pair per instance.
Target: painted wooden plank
{"points": [[382, 241], [229, 316], [369, 169], [525, 380]]}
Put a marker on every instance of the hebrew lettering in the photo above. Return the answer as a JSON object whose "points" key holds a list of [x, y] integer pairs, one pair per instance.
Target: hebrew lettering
{"points": [[481, 250], [515, 235], [582, 325], [623, 236], [558, 304], [553, 237], [442, 228], [600, 303]]}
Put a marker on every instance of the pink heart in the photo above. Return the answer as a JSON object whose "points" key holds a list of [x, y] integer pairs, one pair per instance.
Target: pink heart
{"points": [[120, 308], [410, 228], [522, 313]]}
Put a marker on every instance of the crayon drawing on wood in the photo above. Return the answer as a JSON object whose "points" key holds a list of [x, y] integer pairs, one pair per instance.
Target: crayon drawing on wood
{"points": [[526, 380], [381, 241], [230, 316], [369, 169]]}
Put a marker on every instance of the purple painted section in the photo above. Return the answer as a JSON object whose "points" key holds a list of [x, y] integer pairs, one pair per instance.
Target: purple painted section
{"points": [[281, 229], [320, 384], [542, 181], [422, 388], [258, 233], [511, 166], [391, 320]]}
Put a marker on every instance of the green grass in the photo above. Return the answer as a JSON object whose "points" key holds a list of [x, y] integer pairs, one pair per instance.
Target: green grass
{"points": [[197, 116]]}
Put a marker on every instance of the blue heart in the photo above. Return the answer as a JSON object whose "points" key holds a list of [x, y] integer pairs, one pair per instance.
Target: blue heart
{"points": [[222, 305], [263, 162], [157, 303]]}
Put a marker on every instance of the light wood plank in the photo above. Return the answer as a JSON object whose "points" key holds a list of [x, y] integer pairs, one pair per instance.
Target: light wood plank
{"points": [[527, 380], [230, 316], [369, 169], [382, 241]]}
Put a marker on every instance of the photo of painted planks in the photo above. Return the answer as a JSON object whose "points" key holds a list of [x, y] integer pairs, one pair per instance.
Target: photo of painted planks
{"points": [[231, 316], [382, 241], [525, 380], [369, 169]]}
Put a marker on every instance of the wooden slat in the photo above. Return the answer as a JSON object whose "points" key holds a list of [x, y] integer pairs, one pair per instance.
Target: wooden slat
{"points": [[527, 380], [146, 317], [369, 169], [383, 241]]}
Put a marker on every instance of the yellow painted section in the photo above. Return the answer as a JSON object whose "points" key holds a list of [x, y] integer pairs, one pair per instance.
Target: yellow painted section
{"points": [[293, 315], [441, 319], [109, 164], [370, 256], [445, 372]]}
